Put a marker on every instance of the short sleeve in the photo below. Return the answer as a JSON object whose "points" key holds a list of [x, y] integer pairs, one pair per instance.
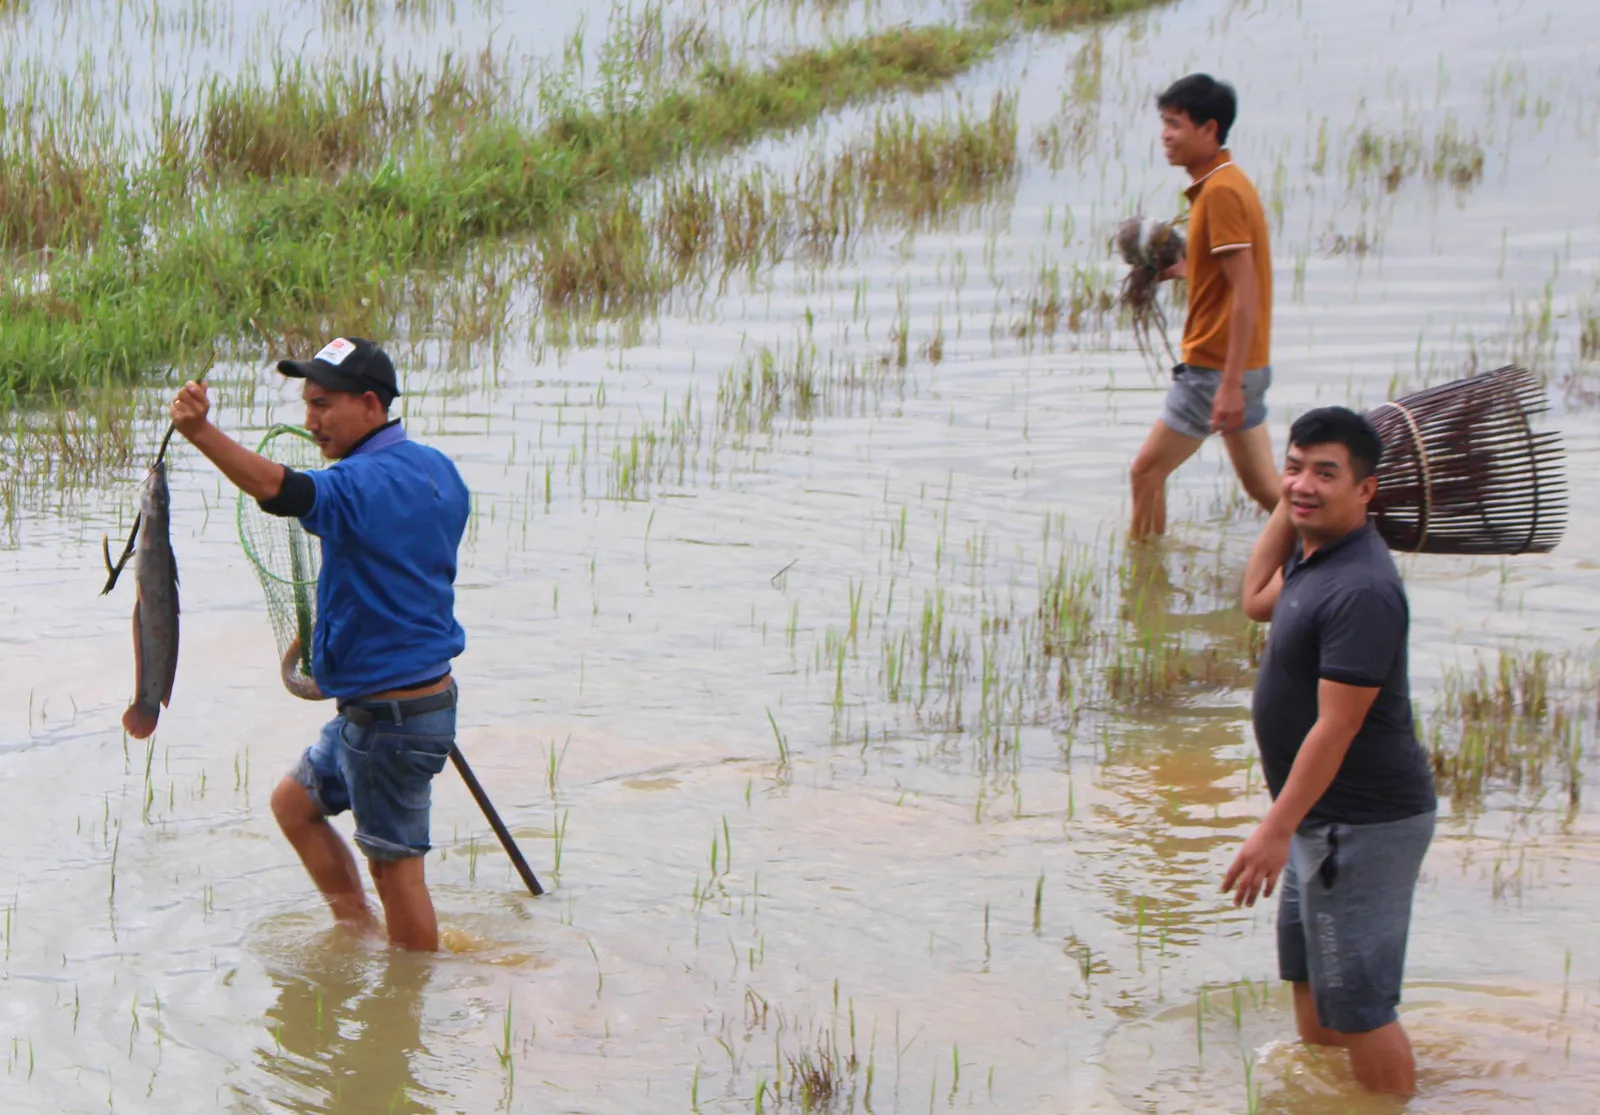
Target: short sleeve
{"points": [[333, 508], [1227, 220], [1362, 632], [294, 498]]}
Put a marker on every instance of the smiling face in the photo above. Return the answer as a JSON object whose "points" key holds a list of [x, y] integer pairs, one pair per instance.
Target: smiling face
{"points": [[339, 419], [1187, 144], [1326, 497]]}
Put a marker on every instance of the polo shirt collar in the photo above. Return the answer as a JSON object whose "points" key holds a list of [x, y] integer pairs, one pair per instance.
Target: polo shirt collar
{"points": [[1326, 552], [390, 433], [1223, 158]]}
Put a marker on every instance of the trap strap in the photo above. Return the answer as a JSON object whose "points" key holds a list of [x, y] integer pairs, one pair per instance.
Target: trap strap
{"points": [[1427, 475]]}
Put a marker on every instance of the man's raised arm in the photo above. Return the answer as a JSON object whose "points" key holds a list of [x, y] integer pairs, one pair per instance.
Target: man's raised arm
{"points": [[250, 472], [1263, 574]]}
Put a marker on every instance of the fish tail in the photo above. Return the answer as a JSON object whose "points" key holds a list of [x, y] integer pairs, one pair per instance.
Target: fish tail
{"points": [[139, 721]]}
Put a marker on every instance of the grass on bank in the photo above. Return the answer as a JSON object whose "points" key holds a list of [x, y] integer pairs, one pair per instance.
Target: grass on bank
{"points": [[282, 210], [283, 256]]}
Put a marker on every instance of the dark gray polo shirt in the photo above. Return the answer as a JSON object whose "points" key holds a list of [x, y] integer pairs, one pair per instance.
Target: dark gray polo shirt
{"points": [[1343, 616]]}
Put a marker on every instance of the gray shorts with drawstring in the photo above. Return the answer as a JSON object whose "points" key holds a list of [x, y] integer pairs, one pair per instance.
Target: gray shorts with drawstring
{"points": [[1344, 912], [1188, 406]]}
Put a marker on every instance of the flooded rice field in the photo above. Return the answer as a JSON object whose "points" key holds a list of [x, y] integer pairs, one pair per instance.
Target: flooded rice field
{"points": [[866, 766]]}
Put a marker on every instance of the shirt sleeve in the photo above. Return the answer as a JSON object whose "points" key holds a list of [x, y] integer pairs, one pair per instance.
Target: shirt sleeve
{"points": [[1227, 220], [294, 499], [1362, 632], [333, 510]]}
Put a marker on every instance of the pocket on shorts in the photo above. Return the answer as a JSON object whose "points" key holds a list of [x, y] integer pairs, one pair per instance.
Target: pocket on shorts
{"points": [[355, 738], [411, 763]]}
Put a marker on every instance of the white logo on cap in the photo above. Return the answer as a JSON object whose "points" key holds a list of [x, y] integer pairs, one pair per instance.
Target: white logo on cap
{"points": [[335, 351]]}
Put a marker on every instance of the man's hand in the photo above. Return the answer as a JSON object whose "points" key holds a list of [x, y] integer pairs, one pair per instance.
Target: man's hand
{"points": [[1179, 270], [1227, 409], [1256, 868], [190, 409]]}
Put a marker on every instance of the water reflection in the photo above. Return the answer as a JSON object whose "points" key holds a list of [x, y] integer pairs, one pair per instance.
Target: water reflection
{"points": [[1177, 770], [1481, 1048], [346, 1030]]}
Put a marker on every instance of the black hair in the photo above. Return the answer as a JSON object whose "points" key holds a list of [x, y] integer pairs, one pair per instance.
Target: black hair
{"points": [[1340, 426], [1202, 97]]}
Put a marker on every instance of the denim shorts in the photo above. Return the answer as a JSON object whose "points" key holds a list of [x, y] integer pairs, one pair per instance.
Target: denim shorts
{"points": [[1344, 911], [1188, 406], [381, 773]]}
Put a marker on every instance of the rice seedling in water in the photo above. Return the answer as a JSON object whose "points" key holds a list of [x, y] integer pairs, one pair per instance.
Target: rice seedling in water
{"points": [[1513, 726], [791, 382], [1071, 131], [1086, 305], [53, 456], [1393, 157]]}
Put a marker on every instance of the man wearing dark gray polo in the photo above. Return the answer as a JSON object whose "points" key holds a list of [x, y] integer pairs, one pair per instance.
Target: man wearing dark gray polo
{"points": [[1353, 800]]}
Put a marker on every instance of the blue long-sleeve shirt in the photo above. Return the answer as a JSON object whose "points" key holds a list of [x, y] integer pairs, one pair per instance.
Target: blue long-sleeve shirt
{"points": [[390, 516]]}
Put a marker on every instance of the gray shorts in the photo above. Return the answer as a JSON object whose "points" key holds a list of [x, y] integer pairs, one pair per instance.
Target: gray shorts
{"points": [[1188, 406], [1344, 909]]}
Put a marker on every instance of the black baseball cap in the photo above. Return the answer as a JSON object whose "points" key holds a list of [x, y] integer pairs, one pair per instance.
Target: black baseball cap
{"points": [[348, 364]]}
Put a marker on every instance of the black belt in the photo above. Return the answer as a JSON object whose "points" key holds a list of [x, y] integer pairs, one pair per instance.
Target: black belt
{"points": [[362, 711]]}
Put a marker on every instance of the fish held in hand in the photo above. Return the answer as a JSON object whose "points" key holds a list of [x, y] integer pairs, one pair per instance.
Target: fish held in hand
{"points": [[155, 612]]}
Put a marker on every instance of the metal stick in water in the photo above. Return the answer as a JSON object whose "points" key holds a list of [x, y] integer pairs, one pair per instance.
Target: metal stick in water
{"points": [[493, 817]]}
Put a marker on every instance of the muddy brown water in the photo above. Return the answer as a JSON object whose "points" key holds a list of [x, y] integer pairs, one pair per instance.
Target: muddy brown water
{"points": [[163, 951]]}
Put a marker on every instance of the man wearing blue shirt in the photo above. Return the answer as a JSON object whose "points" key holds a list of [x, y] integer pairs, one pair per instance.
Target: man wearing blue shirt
{"points": [[390, 514]]}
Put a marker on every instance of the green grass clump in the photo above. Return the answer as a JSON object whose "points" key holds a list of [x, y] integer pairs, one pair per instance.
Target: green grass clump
{"points": [[301, 123], [906, 172], [1516, 726], [51, 195], [1054, 15]]}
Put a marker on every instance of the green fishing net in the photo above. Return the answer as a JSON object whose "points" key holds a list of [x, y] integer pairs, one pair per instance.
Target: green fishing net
{"points": [[286, 560]]}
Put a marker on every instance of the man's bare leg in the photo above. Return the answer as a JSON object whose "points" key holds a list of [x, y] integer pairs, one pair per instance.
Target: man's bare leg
{"points": [[326, 856], [1311, 1031], [407, 906], [1382, 1060], [1163, 451], [1251, 453]]}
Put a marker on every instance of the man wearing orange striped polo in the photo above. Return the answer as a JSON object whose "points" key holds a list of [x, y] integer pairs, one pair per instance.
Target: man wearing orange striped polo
{"points": [[1222, 383]]}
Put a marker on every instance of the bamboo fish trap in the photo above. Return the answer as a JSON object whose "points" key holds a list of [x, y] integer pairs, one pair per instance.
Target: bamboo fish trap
{"points": [[1463, 471]]}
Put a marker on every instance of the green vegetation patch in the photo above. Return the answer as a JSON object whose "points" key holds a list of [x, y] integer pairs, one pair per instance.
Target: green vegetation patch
{"points": [[283, 208]]}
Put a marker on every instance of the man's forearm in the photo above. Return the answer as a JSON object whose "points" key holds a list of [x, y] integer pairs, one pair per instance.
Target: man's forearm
{"points": [[1267, 559], [1241, 331], [250, 472], [1244, 313]]}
